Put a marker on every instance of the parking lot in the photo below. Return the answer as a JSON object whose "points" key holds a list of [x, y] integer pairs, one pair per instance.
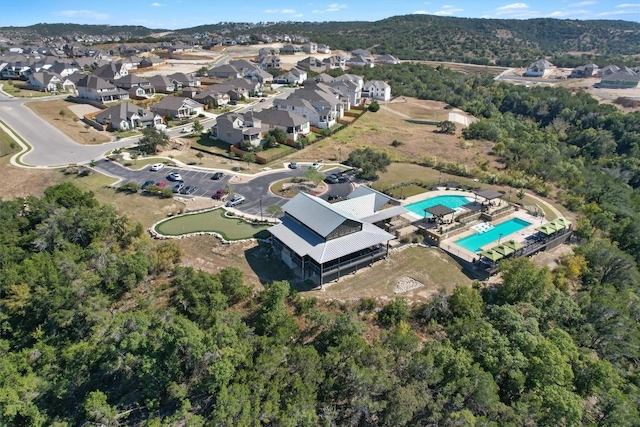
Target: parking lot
{"points": [[256, 190]]}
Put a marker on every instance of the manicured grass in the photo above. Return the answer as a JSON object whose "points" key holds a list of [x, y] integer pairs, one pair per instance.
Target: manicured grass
{"points": [[7, 145], [214, 146], [211, 221], [19, 89]]}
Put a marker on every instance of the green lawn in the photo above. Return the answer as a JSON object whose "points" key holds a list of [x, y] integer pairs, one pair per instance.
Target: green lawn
{"points": [[212, 221]]}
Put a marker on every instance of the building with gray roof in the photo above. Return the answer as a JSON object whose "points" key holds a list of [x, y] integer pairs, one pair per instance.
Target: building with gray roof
{"points": [[321, 241]]}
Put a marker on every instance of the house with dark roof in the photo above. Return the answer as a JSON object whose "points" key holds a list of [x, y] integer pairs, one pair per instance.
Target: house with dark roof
{"points": [[162, 84], [177, 107], [212, 98], [311, 63], [625, 78], [310, 47], [111, 71], [589, 70], [268, 61], [386, 59], [235, 128], [294, 76], [150, 61], [50, 82], [289, 49], [334, 62], [126, 116], [97, 89], [138, 87], [322, 107], [322, 242], [225, 71], [293, 124], [184, 80], [540, 68], [359, 61]]}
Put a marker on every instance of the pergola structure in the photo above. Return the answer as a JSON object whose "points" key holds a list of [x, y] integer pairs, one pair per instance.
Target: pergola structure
{"points": [[489, 195], [439, 212]]}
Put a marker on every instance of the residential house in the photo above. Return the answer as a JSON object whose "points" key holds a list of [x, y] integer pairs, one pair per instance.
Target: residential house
{"points": [[589, 70], [130, 62], [359, 61], [212, 98], [289, 49], [540, 68], [322, 242], [177, 107], [294, 76], [111, 71], [235, 128], [609, 69], [224, 71], [268, 61], [626, 78], [50, 82], [162, 84], [322, 108], [184, 80], [97, 89], [293, 124], [386, 60], [349, 89], [323, 48], [334, 62], [363, 53], [311, 63], [243, 66], [150, 61], [133, 81], [126, 116], [310, 48], [377, 89], [63, 69]]}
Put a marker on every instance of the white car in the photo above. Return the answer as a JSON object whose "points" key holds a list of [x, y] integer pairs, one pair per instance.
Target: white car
{"points": [[235, 200], [186, 130], [157, 166], [316, 166], [174, 176]]}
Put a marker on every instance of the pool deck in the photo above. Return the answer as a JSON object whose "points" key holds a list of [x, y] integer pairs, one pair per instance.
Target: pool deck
{"points": [[449, 245]]}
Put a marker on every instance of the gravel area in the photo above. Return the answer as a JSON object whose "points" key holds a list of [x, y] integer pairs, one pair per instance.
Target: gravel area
{"points": [[406, 284]]}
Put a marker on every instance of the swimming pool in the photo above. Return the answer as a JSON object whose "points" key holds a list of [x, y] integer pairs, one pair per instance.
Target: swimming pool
{"points": [[474, 242], [452, 202]]}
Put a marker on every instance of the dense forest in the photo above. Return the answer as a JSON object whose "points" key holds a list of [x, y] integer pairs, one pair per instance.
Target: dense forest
{"points": [[101, 326], [506, 42]]}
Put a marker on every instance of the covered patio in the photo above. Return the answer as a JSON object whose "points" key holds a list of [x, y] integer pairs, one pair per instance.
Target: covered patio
{"points": [[491, 197], [438, 212]]}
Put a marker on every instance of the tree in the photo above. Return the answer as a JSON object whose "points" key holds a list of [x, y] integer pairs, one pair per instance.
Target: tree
{"points": [[447, 126], [374, 107], [314, 175], [249, 158], [152, 139], [369, 162], [199, 155], [62, 113], [197, 127]]}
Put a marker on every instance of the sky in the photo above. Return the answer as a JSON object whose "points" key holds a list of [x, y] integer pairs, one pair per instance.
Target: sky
{"points": [[176, 14]]}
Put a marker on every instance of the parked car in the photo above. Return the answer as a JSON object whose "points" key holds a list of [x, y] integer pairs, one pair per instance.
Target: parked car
{"points": [[186, 130], [334, 198], [147, 184], [332, 179], [293, 165], [235, 200], [316, 166], [189, 189], [220, 194], [174, 176], [161, 184], [156, 166], [216, 176], [178, 187]]}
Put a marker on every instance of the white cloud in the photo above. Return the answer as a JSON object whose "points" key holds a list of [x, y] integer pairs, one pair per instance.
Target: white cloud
{"points": [[512, 7], [156, 4], [628, 5], [448, 10], [298, 15], [420, 12], [582, 4], [284, 11], [563, 13], [86, 14], [333, 7], [618, 12]]}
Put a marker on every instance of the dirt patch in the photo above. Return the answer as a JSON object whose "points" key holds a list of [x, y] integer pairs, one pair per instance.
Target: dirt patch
{"points": [[32, 182], [59, 113]]}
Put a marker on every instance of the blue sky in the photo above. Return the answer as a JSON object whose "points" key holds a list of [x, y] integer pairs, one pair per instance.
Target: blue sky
{"points": [[174, 14]]}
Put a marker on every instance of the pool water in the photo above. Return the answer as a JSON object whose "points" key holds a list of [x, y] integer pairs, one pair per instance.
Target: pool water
{"points": [[452, 202], [474, 242]]}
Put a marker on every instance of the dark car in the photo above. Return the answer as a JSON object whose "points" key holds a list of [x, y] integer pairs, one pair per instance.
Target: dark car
{"points": [[189, 189], [220, 194], [332, 179], [216, 176], [293, 165], [147, 184], [334, 198]]}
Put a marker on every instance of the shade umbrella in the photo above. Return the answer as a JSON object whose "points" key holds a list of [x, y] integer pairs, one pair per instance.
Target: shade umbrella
{"points": [[503, 250], [516, 246], [492, 255], [562, 222], [548, 228]]}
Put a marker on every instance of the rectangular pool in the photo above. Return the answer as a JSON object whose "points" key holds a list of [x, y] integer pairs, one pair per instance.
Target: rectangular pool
{"points": [[452, 202], [474, 242]]}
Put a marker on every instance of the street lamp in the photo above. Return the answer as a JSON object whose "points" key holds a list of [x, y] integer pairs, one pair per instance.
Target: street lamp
{"points": [[261, 219], [499, 237]]}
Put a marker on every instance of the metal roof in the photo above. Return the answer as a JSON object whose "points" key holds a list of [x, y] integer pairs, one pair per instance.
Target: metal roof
{"points": [[317, 214], [359, 207], [386, 214], [489, 194], [381, 198], [439, 210], [303, 242]]}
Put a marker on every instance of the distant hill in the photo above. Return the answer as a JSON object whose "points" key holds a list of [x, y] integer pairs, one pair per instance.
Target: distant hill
{"points": [[507, 42]]}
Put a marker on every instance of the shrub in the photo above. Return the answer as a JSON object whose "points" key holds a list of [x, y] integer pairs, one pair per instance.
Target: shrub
{"points": [[394, 312], [374, 107], [396, 143], [368, 304]]}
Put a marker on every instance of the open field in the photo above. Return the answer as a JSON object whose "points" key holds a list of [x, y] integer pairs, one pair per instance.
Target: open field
{"points": [[68, 123], [18, 88]]}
